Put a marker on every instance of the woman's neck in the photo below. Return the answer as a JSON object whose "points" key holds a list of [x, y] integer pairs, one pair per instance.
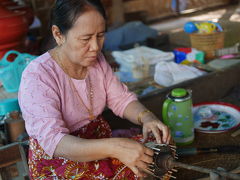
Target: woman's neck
{"points": [[73, 70]]}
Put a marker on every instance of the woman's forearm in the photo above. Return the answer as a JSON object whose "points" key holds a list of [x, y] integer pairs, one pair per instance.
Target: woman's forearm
{"points": [[138, 114], [84, 150], [131, 153], [133, 110]]}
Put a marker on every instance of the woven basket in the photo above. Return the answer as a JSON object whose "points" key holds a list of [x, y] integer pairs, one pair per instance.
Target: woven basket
{"points": [[208, 43]]}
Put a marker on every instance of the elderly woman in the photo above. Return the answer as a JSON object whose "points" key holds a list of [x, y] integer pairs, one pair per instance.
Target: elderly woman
{"points": [[63, 94]]}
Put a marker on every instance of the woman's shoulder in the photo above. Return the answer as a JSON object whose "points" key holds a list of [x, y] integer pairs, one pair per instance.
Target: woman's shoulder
{"points": [[42, 68], [41, 63]]}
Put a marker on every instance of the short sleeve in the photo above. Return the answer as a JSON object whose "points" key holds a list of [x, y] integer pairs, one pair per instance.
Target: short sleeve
{"points": [[118, 95], [41, 108]]}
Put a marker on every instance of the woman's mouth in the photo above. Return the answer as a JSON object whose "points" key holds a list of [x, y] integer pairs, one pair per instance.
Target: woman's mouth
{"points": [[92, 57]]}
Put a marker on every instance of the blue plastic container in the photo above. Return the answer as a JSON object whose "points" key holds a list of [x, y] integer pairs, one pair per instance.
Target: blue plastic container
{"points": [[11, 72], [8, 105], [179, 56]]}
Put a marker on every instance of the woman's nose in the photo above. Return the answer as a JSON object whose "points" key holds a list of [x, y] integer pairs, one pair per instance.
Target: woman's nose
{"points": [[94, 45]]}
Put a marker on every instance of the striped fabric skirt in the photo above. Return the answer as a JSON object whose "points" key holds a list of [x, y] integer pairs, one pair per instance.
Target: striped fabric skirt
{"points": [[42, 167]]}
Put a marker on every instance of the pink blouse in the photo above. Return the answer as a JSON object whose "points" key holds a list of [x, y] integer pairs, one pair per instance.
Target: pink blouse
{"points": [[50, 107]]}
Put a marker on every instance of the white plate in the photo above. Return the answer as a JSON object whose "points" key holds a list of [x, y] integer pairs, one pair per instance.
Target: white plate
{"points": [[215, 117]]}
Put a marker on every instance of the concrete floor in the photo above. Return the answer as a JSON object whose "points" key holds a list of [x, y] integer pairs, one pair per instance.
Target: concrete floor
{"points": [[228, 17]]}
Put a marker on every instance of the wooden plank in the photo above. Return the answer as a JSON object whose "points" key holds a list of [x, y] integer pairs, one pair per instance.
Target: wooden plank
{"points": [[118, 12], [156, 9], [134, 6], [201, 4], [159, 7], [9, 154]]}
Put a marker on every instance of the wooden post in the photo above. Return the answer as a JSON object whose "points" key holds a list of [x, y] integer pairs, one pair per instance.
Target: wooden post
{"points": [[177, 6], [117, 12]]}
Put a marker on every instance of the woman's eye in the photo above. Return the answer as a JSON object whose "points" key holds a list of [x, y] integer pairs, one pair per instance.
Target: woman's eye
{"points": [[85, 40], [100, 35]]}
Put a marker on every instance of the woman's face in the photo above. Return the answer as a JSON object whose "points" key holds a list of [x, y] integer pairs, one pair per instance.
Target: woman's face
{"points": [[84, 40]]}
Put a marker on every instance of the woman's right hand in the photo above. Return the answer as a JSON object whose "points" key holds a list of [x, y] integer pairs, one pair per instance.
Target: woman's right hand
{"points": [[133, 154]]}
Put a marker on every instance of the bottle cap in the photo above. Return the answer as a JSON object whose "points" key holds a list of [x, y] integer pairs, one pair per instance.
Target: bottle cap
{"points": [[178, 92]]}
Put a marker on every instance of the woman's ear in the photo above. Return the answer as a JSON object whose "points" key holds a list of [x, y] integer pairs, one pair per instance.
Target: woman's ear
{"points": [[58, 36]]}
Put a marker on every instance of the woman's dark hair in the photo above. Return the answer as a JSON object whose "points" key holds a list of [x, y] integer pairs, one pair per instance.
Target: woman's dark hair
{"points": [[65, 12]]}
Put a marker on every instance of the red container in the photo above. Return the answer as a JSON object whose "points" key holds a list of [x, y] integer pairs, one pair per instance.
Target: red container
{"points": [[11, 5], [185, 50], [8, 3], [14, 27], [28, 11]]}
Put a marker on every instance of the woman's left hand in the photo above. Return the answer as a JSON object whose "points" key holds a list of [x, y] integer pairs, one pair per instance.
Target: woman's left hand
{"points": [[159, 130], [139, 114]]}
